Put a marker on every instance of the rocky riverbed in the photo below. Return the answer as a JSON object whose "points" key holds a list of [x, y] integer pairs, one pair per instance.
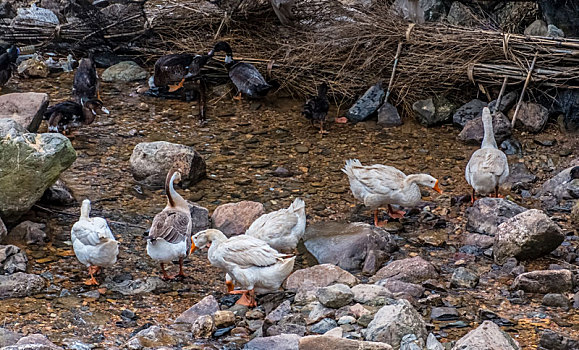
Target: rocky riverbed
{"points": [[432, 272]]}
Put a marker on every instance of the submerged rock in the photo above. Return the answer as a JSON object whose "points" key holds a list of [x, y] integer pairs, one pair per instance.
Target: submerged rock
{"points": [[20, 284], [31, 164], [487, 336], [12, 260], [235, 218], [486, 214], [545, 281], [151, 161], [528, 235], [25, 108], [124, 71], [367, 104], [353, 247], [411, 270], [473, 131], [392, 322]]}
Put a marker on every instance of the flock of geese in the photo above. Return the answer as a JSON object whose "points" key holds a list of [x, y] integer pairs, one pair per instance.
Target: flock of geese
{"points": [[262, 258]]}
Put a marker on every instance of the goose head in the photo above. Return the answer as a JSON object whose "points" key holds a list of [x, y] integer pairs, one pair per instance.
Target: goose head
{"points": [[425, 180]]}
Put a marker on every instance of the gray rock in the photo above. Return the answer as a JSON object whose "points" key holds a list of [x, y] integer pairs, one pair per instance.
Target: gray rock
{"points": [[203, 327], [432, 343], [347, 320], [473, 131], [12, 260], [554, 32], [487, 336], [545, 281], [279, 312], [532, 117], [28, 232], [394, 321], [411, 342], [223, 318], [138, 286], [388, 116], [528, 235], [151, 161], [34, 15], [551, 340], [152, 337], [124, 71], [367, 104], [318, 276], [443, 313], [460, 15], [519, 178], [335, 296], [507, 102], [487, 214], [463, 278], [35, 162], [431, 112], [401, 288], [468, 112], [8, 337], [537, 28], [33, 342], [11, 129], [199, 217], [206, 306], [353, 247], [20, 284], [3, 231], [58, 194], [281, 342], [323, 342], [235, 218], [25, 108], [576, 301], [323, 326], [318, 312], [412, 270], [556, 300], [364, 293], [478, 240], [291, 324], [558, 189]]}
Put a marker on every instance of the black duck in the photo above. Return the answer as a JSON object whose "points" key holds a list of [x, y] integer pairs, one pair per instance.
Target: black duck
{"points": [[65, 115], [7, 62], [86, 81], [316, 107]]}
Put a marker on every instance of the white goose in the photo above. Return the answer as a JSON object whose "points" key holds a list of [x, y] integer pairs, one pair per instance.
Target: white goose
{"points": [[249, 261], [488, 167], [281, 229], [379, 185], [170, 234], [93, 242]]}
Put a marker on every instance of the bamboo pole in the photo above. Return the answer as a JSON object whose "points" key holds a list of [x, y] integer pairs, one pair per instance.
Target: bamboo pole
{"points": [[523, 92], [393, 70]]}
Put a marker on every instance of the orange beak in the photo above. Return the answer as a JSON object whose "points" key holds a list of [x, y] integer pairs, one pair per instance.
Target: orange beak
{"points": [[436, 188], [193, 247]]}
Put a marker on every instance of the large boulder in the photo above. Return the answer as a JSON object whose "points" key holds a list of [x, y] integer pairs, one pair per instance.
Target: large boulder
{"points": [[12, 260], [235, 218], [528, 235], [487, 336], [410, 270], [545, 281], [30, 164], [125, 71], [25, 108], [473, 131], [392, 322], [324, 342], [151, 161], [532, 117], [353, 247], [20, 284], [487, 214]]}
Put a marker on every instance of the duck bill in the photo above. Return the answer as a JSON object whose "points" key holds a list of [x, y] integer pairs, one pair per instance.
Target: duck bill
{"points": [[436, 188], [105, 110]]}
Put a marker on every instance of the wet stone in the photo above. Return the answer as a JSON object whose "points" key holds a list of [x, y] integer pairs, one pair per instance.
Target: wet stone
{"points": [[411, 270], [335, 296], [444, 313], [556, 300], [487, 336], [322, 326], [12, 259], [223, 319], [544, 281], [207, 306], [487, 214], [463, 278], [278, 342], [392, 322]]}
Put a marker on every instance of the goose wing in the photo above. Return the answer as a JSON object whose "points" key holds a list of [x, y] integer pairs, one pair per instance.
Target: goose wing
{"points": [[91, 232], [273, 225], [246, 251], [489, 160], [246, 77], [170, 225], [171, 68], [379, 178]]}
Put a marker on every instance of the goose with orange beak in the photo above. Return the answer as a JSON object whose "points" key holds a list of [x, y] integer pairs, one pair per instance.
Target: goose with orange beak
{"points": [[381, 185], [248, 261]]}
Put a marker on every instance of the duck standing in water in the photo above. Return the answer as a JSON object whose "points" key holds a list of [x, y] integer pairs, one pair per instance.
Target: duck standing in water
{"points": [[93, 242], [316, 107], [488, 167], [170, 74], [244, 76], [7, 62], [69, 114], [170, 234], [249, 261], [379, 185]]}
